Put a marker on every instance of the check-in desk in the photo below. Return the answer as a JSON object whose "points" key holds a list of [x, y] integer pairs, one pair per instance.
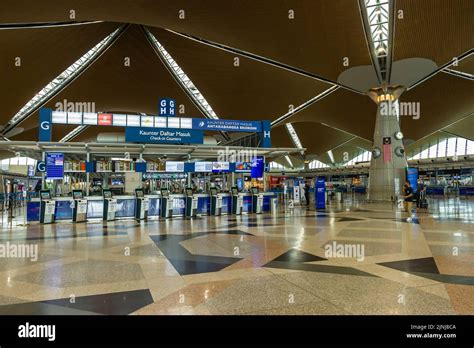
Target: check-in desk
{"points": [[125, 208]]}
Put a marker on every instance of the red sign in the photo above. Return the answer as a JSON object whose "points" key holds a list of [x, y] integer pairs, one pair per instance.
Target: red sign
{"points": [[387, 153], [104, 119]]}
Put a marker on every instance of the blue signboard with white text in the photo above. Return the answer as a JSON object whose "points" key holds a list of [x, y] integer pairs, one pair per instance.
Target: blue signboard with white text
{"points": [[412, 177], [320, 192], [163, 135], [227, 125], [143, 128], [258, 165], [167, 107], [54, 166]]}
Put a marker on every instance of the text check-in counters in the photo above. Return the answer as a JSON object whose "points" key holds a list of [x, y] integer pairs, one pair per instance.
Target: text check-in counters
{"points": [[124, 206]]}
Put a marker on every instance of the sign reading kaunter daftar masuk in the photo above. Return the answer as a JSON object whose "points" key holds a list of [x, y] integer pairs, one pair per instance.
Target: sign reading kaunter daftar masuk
{"points": [[149, 128]]}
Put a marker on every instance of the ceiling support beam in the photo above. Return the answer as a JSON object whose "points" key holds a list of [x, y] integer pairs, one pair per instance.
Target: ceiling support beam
{"points": [[183, 81], [264, 60], [63, 80], [442, 67], [303, 106], [460, 74]]}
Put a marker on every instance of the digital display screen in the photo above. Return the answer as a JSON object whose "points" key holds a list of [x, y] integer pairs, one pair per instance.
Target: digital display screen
{"points": [[243, 167], [203, 167], [220, 166], [59, 117], [173, 122], [77, 194], [148, 121], [116, 182], [187, 123], [120, 120], [160, 122], [107, 193], [174, 167], [258, 166], [31, 170], [104, 119], [45, 195], [74, 117], [139, 193], [54, 166], [89, 118], [189, 192], [133, 121], [240, 184], [165, 193]]}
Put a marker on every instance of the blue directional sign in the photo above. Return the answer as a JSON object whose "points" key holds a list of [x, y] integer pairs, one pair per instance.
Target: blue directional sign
{"points": [[227, 125], [320, 192], [258, 165], [167, 107], [163, 136], [40, 166], [45, 116]]}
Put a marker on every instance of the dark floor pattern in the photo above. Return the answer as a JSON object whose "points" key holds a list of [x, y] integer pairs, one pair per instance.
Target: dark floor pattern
{"points": [[186, 263]]}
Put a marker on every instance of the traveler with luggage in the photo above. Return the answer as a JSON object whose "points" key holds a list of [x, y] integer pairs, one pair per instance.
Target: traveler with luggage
{"points": [[421, 202]]}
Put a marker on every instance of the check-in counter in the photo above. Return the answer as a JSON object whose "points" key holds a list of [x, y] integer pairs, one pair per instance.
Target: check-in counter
{"points": [[466, 190], [126, 205], [435, 190]]}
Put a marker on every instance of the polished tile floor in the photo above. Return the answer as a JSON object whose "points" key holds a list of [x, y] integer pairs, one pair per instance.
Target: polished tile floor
{"points": [[354, 258]]}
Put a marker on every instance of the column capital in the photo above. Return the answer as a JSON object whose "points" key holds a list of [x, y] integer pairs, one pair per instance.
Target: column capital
{"points": [[385, 93]]}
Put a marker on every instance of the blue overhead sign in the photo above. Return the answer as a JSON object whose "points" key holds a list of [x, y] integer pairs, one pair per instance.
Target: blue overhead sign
{"points": [[227, 125], [54, 166], [45, 125], [163, 136], [167, 107]]}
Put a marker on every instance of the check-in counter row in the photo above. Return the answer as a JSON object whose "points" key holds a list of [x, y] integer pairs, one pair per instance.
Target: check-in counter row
{"points": [[126, 205]]}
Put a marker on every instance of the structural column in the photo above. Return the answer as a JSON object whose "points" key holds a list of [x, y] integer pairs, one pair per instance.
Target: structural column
{"points": [[388, 164]]}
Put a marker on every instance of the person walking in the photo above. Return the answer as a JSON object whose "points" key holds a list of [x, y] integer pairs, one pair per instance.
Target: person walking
{"points": [[306, 193], [408, 197]]}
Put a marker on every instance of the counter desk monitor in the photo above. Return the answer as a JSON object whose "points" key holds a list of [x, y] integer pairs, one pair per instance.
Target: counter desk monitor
{"points": [[166, 204], [141, 205], [191, 203], [237, 201], [47, 207], [110, 205], [216, 202], [257, 201], [79, 209]]}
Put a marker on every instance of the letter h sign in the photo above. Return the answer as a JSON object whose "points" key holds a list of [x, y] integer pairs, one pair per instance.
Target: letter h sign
{"points": [[167, 107]]}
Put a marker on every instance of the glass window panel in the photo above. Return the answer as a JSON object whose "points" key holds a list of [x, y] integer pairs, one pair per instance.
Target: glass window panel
{"points": [[461, 147], [470, 147], [451, 148]]}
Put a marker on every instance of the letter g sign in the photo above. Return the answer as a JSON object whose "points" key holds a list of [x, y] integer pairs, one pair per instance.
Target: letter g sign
{"points": [[44, 125]]}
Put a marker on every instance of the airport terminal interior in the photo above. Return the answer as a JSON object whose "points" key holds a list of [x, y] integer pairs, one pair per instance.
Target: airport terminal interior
{"points": [[213, 157]]}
